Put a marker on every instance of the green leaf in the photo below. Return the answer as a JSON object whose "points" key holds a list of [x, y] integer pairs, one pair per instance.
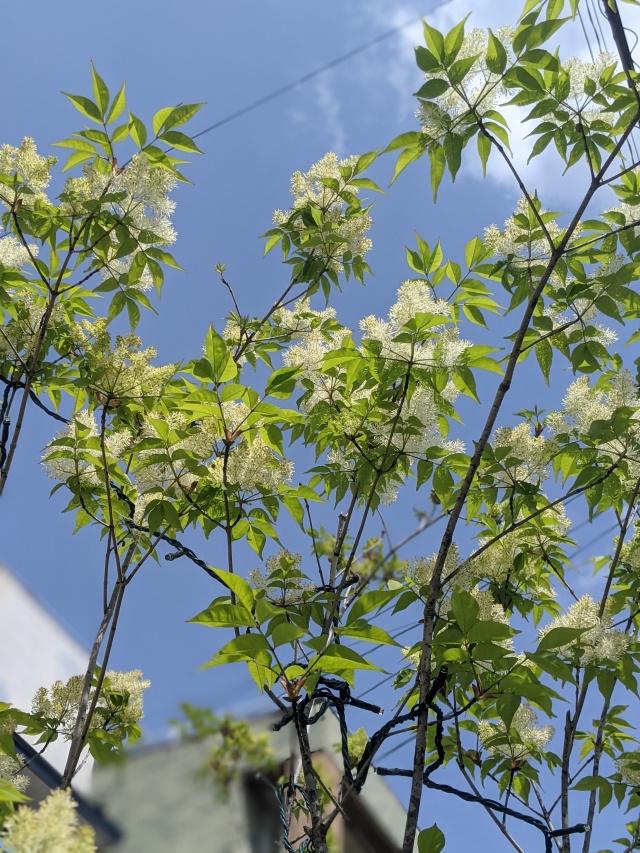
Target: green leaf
{"points": [[137, 130], [224, 616], [77, 144], [369, 601], [282, 382], [339, 658], [434, 40], [426, 61], [558, 637], [484, 149], [180, 141], [465, 610], [100, 91], [85, 106], [362, 630], [437, 160], [9, 794], [217, 354], [174, 116], [245, 647], [431, 840], [544, 354], [117, 108], [496, 54], [432, 88], [238, 586]]}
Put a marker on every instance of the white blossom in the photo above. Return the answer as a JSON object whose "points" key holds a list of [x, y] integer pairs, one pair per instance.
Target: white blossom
{"points": [[51, 828], [33, 170], [521, 741], [10, 770], [533, 453], [61, 702], [514, 241], [307, 188], [13, 254], [496, 563], [251, 465], [283, 583], [600, 642], [482, 88], [628, 766]]}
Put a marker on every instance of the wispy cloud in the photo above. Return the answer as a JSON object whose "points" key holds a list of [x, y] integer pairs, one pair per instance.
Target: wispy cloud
{"points": [[330, 108]]}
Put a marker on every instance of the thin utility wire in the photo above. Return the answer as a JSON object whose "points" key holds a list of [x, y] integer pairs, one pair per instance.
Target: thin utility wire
{"points": [[315, 73]]}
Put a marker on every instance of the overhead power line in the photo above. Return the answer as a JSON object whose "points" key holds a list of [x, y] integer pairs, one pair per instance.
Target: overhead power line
{"points": [[277, 93]]}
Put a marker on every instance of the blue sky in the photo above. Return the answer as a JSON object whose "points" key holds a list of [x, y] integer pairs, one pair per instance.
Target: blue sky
{"points": [[228, 55]]}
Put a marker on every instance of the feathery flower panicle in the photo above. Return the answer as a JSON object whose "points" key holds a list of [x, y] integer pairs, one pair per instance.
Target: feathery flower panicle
{"points": [[76, 452], [283, 583], [60, 702], [307, 189], [583, 404], [10, 770], [122, 370], [252, 465], [446, 348], [628, 766], [514, 241], [33, 170], [583, 106], [72, 455], [630, 551], [303, 318], [600, 642], [308, 355], [533, 452], [13, 254], [482, 88], [143, 204], [51, 828], [22, 332], [496, 563], [421, 570], [523, 740]]}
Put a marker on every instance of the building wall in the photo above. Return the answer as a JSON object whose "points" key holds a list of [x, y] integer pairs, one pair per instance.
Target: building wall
{"points": [[35, 651]]}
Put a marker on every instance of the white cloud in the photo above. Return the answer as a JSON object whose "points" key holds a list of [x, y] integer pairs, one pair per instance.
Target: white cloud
{"points": [[330, 106]]}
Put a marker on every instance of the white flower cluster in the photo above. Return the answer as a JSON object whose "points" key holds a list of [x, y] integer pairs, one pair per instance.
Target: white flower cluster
{"points": [[303, 318], [145, 206], [421, 570], [630, 551], [578, 101], [533, 453], [33, 170], [521, 741], [583, 404], [496, 563], [51, 828], [10, 770], [307, 189], [61, 702], [76, 451], [308, 355], [283, 583], [251, 465], [414, 297], [482, 88], [628, 766], [13, 254], [21, 332], [120, 372], [514, 241], [600, 642]]}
